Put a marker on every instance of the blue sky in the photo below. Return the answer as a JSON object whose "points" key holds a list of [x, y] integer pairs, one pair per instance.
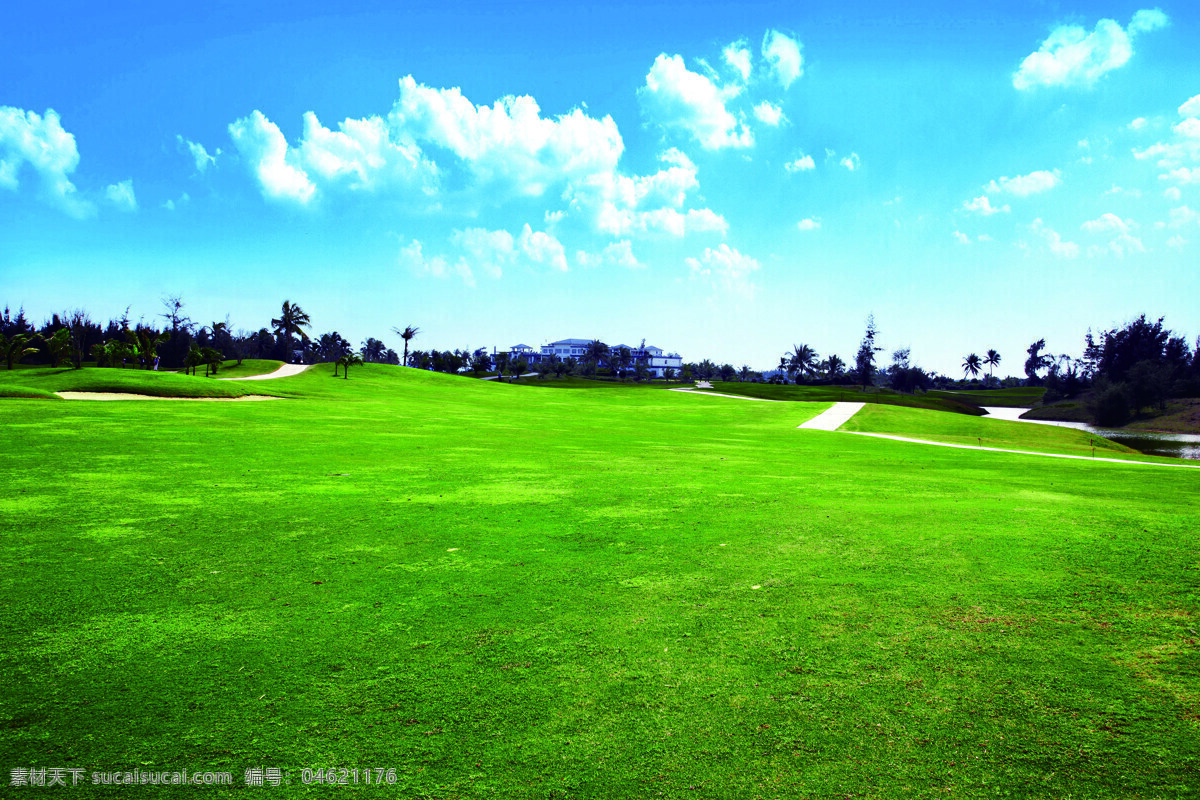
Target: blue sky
{"points": [[724, 180]]}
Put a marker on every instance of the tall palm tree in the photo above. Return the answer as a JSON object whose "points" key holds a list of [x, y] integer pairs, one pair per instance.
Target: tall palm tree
{"points": [[992, 360], [803, 359], [292, 322], [834, 367], [597, 351], [971, 365], [408, 334]]}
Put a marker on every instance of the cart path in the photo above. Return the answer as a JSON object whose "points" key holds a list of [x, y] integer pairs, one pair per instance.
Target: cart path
{"points": [[833, 417], [284, 371], [836, 416], [1023, 452], [689, 390]]}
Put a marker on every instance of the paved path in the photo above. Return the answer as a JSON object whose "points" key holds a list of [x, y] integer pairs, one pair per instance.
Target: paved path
{"points": [[835, 417], [832, 418], [1023, 452], [285, 371], [719, 394]]}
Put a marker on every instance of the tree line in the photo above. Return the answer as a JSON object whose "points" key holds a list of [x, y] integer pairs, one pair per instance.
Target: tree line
{"points": [[1123, 370]]}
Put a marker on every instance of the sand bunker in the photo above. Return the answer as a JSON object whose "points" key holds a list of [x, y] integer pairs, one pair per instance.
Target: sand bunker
{"points": [[285, 371], [123, 396]]}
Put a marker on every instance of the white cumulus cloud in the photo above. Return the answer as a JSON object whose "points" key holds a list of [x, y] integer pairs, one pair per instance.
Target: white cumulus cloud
{"points": [[40, 142], [679, 99], [726, 269], [851, 162], [802, 164], [276, 166], [1121, 242], [983, 205], [491, 251], [1073, 56], [769, 114], [1191, 107], [782, 52], [737, 56], [121, 195], [200, 155], [510, 142], [1024, 185], [809, 224], [617, 254], [363, 154], [412, 257], [542, 248], [621, 205], [1053, 240]]}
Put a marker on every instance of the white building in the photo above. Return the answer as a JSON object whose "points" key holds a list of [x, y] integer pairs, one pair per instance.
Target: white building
{"points": [[657, 361]]}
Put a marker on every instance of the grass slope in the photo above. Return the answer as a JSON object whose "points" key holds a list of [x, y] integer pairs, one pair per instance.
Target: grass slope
{"points": [[248, 367], [1015, 397], [132, 381], [504, 592], [852, 394], [974, 431]]}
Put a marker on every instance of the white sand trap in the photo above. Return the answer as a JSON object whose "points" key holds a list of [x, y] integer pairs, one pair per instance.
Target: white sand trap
{"points": [[123, 396], [833, 418], [285, 371]]}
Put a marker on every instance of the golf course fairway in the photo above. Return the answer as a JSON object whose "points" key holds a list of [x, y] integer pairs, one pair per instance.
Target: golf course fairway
{"points": [[503, 591]]}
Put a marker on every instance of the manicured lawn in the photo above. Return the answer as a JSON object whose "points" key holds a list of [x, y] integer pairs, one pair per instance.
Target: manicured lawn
{"points": [[131, 381], [248, 367], [852, 394], [1016, 397], [506, 592], [958, 429]]}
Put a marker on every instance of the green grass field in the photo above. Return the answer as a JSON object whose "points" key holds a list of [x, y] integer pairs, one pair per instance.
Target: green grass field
{"points": [[45, 381], [1016, 397], [851, 394], [983, 432], [500, 591]]}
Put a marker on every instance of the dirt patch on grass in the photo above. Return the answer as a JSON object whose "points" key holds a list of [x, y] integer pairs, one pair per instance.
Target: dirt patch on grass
{"points": [[124, 396]]}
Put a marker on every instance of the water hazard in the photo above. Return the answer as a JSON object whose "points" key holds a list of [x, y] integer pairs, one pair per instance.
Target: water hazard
{"points": [[1171, 445]]}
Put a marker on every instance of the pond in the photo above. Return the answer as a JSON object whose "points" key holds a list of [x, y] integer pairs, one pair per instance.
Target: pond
{"points": [[1171, 445]]}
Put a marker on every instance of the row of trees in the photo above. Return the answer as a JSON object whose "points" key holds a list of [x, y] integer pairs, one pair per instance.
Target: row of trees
{"points": [[178, 342]]}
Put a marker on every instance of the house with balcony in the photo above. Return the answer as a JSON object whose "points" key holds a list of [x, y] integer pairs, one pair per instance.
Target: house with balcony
{"points": [[655, 359]]}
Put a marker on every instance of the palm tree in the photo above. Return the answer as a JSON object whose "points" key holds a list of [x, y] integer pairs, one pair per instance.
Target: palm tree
{"points": [[597, 352], [971, 365], [292, 322], [803, 359], [518, 368], [59, 345], [372, 350], [619, 360], [834, 366], [210, 358], [992, 360], [347, 361], [193, 359], [14, 349], [144, 343], [408, 334]]}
